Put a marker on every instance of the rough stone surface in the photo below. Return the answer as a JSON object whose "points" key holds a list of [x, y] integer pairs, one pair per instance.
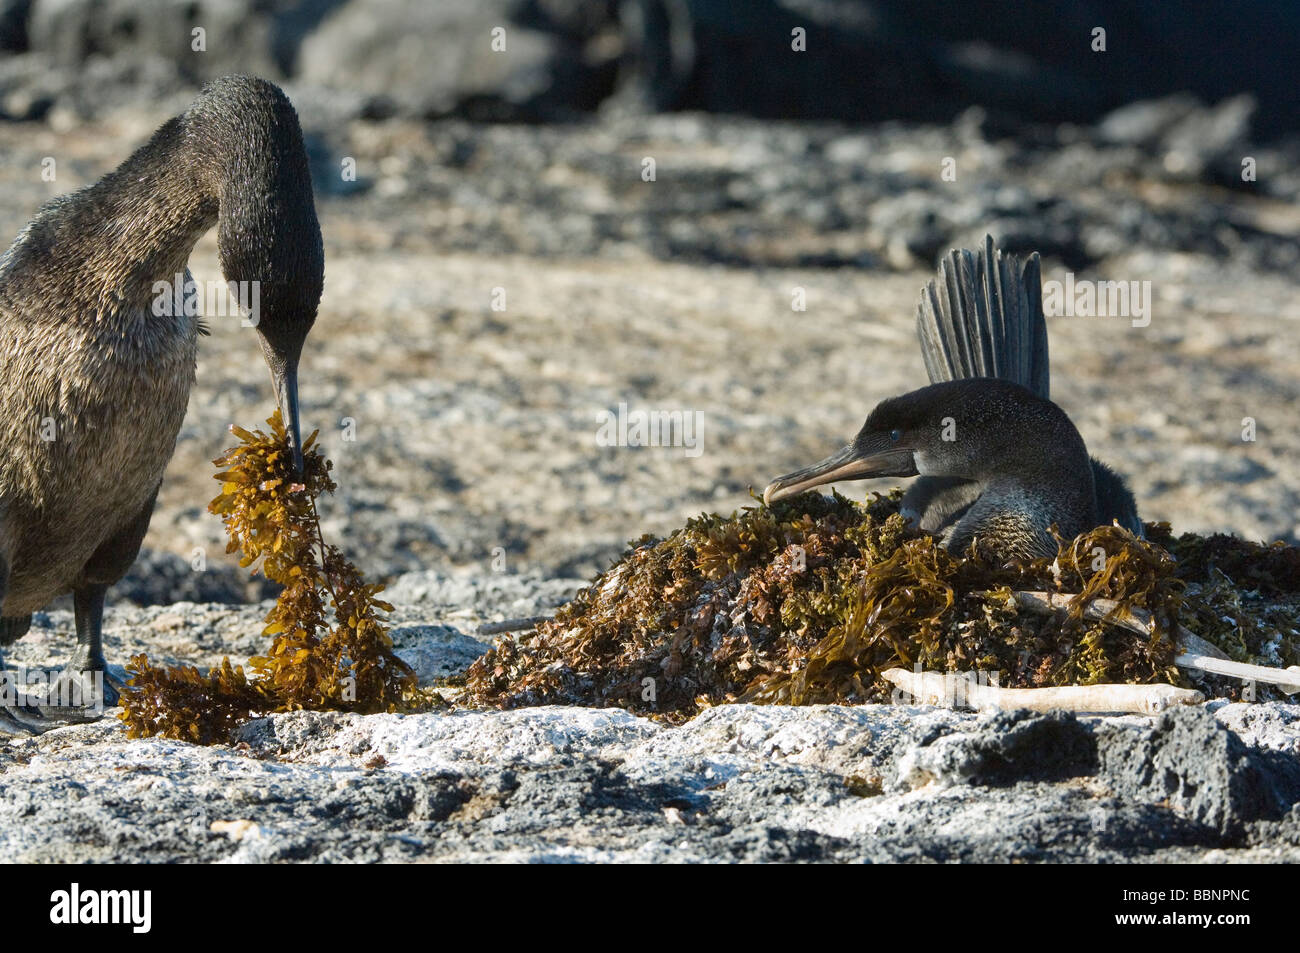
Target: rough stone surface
{"points": [[876, 783], [739, 783]]}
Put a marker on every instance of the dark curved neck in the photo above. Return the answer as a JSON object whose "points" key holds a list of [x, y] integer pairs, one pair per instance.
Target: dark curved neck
{"points": [[110, 242], [239, 165]]}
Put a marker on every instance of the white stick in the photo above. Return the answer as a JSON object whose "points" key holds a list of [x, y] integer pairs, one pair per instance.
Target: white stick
{"points": [[512, 625], [959, 691], [1195, 652], [1286, 680]]}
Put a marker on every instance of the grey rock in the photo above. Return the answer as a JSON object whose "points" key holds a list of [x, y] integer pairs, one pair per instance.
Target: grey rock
{"points": [[202, 634], [1211, 141], [1188, 140], [90, 58], [864, 59], [1272, 727], [1145, 123], [1205, 771], [738, 783], [435, 651], [491, 598], [28, 88], [1007, 749], [238, 37], [161, 578], [439, 60]]}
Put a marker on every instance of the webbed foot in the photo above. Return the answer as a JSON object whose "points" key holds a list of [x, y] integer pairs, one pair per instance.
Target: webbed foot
{"points": [[72, 696], [20, 711], [89, 689], [19, 722]]}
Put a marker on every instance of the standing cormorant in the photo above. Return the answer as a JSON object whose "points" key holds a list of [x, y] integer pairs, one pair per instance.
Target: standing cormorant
{"points": [[96, 368], [997, 459]]}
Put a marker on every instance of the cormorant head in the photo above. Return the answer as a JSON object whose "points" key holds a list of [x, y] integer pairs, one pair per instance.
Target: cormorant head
{"points": [[268, 236], [885, 446], [965, 429]]}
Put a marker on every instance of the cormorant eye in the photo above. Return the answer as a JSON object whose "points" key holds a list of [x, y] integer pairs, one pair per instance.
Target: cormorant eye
{"points": [[895, 435]]}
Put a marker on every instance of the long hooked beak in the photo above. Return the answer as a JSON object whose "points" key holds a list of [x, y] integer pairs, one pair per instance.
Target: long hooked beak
{"points": [[849, 463], [286, 395]]}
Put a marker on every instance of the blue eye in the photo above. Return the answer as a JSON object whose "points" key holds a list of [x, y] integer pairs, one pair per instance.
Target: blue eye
{"points": [[895, 435]]}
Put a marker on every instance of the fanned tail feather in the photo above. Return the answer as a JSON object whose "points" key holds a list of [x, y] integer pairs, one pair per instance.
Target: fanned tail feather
{"points": [[982, 316]]}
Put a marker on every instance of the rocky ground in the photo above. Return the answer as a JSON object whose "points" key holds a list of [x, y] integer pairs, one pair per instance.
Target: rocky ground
{"points": [[475, 482], [875, 783]]}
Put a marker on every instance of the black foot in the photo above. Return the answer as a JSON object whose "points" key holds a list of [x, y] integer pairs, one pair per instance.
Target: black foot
{"points": [[20, 722], [15, 717], [21, 713], [73, 696]]}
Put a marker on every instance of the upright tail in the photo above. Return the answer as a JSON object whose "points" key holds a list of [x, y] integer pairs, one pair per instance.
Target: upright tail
{"points": [[982, 316]]}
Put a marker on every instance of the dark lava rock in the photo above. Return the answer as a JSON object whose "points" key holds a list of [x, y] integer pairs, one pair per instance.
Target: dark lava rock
{"points": [[158, 579], [1202, 770], [862, 60]]}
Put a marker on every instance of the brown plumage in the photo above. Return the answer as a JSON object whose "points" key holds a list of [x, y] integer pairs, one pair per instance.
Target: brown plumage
{"points": [[94, 382]]}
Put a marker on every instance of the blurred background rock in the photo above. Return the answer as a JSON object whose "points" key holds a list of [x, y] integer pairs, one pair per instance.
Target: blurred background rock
{"points": [[871, 60], [475, 444]]}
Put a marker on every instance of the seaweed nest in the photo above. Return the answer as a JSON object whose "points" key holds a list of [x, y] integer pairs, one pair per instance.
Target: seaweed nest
{"points": [[810, 600], [331, 648]]}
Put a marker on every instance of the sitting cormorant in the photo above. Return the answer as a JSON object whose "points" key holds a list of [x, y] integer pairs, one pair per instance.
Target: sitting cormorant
{"points": [[94, 381], [997, 459]]}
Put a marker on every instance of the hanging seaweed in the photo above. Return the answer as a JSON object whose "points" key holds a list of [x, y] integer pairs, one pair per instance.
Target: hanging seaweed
{"points": [[331, 648]]}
